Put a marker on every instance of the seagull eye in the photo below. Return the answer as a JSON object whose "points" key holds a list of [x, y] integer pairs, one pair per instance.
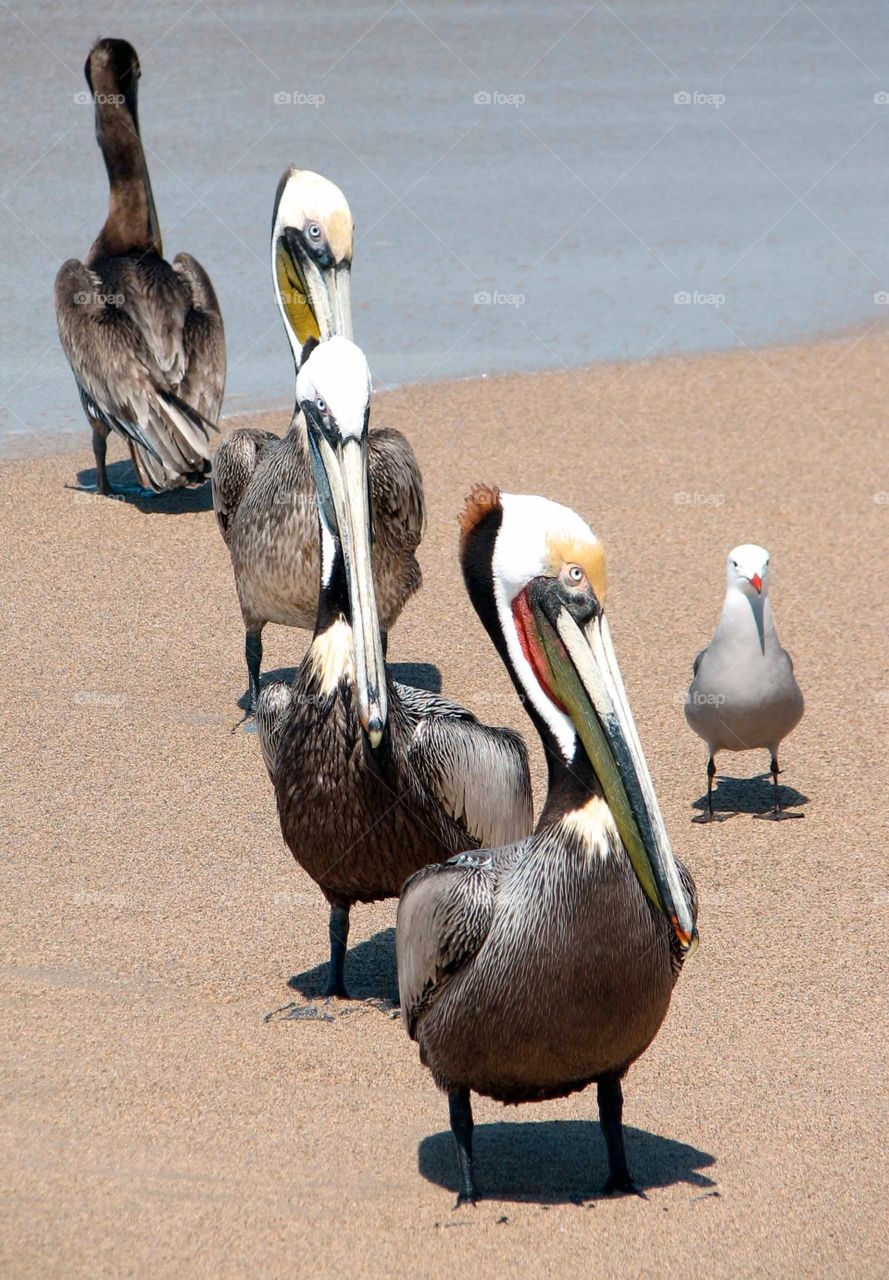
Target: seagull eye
{"points": [[734, 564], [575, 573], [314, 231]]}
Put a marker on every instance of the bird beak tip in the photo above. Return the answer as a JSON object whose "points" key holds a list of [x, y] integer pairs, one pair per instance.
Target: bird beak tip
{"points": [[756, 581], [375, 732]]}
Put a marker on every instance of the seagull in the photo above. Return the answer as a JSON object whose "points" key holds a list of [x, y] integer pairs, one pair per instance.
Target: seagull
{"points": [[744, 695]]}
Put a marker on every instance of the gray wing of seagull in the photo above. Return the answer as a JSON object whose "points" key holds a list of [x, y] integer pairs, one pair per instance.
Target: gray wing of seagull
{"points": [[478, 774], [744, 693]]}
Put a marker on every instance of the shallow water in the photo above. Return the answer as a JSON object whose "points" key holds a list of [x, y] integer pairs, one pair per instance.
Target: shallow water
{"points": [[533, 186]]}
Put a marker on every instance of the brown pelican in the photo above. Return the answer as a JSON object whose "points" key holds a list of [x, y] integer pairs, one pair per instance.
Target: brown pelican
{"points": [[143, 337], [263, 491], [372, 779], [530, 971], [744, 694]]}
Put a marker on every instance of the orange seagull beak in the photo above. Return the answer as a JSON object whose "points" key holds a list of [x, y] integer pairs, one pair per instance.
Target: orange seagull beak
{"points": [[756, 581]]}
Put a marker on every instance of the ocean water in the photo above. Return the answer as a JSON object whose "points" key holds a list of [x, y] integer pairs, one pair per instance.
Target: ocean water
{"points": [[534, 186]]}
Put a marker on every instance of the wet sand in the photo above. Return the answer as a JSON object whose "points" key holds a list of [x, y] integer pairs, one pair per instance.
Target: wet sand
{"points": [[164, 1116]]}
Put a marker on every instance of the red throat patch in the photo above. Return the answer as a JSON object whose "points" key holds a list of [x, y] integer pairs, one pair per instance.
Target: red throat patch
{"points": [[531, 647]]}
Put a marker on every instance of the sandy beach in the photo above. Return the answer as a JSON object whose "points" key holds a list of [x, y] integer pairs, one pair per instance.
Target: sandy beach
{"points": [[164, 1116]]}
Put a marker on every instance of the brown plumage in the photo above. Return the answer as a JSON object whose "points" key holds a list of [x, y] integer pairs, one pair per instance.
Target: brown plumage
{"points": [[365, 798], [529, 971], [143, 336], [263, 490]]}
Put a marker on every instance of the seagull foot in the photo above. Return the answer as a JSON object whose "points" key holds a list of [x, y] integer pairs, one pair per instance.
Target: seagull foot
{"points": [[712, 817], [467, 1197], [777, 815]]}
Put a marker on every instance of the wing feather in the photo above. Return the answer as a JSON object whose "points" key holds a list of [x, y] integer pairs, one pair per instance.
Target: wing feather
{"points": [[235, 462], [121, 381], [444, 915], [479, 774], [203, 340], [397, 486], [272, 713]]}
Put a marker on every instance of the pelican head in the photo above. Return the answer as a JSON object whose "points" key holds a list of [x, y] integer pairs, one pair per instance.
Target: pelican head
{"points": [[333, 389], [536, 576], [311, 259], [112, 72], [747, 570]]}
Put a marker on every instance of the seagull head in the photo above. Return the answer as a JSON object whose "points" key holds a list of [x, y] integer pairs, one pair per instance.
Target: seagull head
{"points": [[747, 570]]}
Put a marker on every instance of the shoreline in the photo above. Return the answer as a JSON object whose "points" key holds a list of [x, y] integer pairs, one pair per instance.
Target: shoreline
{"points": [[32, 444]]}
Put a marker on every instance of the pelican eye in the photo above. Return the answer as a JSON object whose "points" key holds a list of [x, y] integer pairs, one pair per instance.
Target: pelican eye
{"points": [[321, 405], [575, 573], [314, 231]]}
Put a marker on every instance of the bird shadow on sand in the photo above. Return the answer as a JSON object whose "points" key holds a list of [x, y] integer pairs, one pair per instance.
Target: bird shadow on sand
{"points": [[749, 795], [370, 972], [122, 475], [559, 1161]]}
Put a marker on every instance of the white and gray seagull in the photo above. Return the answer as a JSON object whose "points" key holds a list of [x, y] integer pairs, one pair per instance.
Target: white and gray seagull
{"points": [[744, 695]]}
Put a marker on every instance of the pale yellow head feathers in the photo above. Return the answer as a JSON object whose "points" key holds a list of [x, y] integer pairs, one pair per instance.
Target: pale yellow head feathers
{"points": [[566, 549]]}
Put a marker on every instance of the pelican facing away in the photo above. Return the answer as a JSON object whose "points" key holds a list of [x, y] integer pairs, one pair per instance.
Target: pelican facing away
{"points": [[263, 491], [743, 693], [529, 971], [143, 337], [372, 779]]}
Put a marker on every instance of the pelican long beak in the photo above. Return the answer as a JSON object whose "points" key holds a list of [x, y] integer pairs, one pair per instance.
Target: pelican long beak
{"points": [[341, 476], [316, 301], [587, 680]]}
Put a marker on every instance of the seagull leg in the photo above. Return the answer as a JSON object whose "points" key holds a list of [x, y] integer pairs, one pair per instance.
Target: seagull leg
{"points": [[253, 652], [611, 1105], [776, 814], [460, 1107], [339, 937], [710, 816]]}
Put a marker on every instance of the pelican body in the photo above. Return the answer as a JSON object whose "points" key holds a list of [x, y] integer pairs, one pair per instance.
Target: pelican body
{"points": [[143, 336], [532, 970], [372, 779], [744, 695], [263, 487]]}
